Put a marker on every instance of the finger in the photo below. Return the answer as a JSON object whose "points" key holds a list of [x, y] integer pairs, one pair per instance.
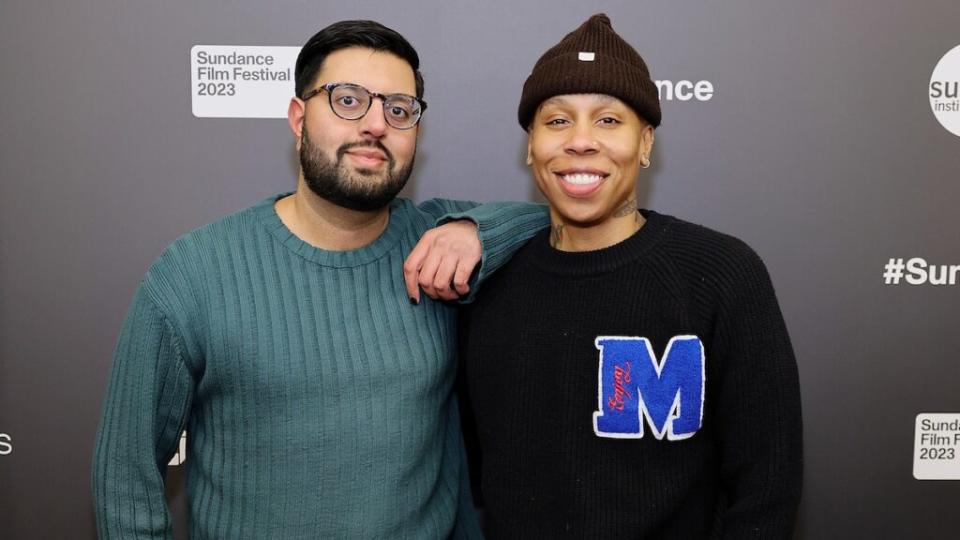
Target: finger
{"points": [[428, 273], [411, 269], [443, 281], [461, 279]]}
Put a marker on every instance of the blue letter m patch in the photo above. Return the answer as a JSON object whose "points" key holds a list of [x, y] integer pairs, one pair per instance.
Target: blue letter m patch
{"points": [[669, 394]]}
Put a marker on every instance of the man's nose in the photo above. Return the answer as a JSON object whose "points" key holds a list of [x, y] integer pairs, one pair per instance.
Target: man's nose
{"points": [[373, 123]]}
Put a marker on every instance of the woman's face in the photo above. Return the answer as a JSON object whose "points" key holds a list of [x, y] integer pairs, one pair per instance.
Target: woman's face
{"points": [[585, 151]]}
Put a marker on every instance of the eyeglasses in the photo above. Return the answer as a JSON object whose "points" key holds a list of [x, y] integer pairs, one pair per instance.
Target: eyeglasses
{"points": [[352, 101]]}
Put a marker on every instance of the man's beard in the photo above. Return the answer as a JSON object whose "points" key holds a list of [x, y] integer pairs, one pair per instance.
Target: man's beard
{"points": [[359, 190]]}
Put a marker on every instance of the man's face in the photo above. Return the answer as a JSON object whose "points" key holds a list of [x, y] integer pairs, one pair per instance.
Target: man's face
{"points": [[585, 151], [358, 164]]}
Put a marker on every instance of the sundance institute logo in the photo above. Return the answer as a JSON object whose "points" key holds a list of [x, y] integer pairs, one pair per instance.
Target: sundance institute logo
{"points": [[945, 91]]}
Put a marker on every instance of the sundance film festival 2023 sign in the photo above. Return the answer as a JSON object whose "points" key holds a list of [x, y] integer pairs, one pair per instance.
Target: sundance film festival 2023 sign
{"points": [[257, 82], [241, 82], [936, 448]]}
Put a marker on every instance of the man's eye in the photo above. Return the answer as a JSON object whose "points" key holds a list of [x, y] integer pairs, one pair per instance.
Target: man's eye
{"points": [[609, 121], [400, 113], [348, 101], [557, 122]]}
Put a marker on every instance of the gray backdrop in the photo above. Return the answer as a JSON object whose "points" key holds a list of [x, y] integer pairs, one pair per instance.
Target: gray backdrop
{"points": [[818, 148]]}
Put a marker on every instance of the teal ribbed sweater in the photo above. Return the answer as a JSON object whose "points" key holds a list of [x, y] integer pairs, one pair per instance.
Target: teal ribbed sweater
{"points": [[317, 399]]}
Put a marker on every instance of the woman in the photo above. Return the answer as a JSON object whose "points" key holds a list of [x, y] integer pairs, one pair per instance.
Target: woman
{"points": [[629, 373]]}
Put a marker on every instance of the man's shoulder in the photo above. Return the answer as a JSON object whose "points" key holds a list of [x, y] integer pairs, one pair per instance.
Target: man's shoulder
{"points": [[430, 210], [189, 257], [424, 215], [404, 206], [232, 227]]}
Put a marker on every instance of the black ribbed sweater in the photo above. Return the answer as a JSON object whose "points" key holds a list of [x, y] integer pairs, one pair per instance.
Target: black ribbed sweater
{"points": [[535, 382]]}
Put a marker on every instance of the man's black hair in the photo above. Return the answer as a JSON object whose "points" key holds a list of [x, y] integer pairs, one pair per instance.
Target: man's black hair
{"points": [[343, 34]]}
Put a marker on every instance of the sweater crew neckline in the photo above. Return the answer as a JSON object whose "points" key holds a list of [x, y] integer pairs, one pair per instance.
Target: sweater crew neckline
{"points": [[577, 263], [336, 259]]}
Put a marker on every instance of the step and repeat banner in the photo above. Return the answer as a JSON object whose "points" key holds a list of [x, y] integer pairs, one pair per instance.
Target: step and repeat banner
{"points": [[826, 134]]}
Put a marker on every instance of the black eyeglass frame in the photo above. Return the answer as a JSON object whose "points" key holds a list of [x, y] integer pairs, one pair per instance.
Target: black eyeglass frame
{"points": [[330, 87]]}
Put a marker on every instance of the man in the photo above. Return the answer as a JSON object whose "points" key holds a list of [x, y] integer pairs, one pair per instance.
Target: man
{"points": [[629, 373], [317, 395]]}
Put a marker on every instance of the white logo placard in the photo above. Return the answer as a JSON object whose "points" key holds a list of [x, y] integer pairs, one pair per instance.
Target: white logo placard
{"points": [[241, 81], [945, 91], [936, 447]]}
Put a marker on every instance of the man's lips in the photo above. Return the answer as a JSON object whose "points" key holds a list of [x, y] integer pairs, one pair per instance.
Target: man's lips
{"points": [[580, 183], [367, 157]]}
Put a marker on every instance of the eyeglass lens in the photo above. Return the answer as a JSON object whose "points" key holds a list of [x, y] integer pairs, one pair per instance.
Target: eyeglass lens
{"points": [[352, 102]]}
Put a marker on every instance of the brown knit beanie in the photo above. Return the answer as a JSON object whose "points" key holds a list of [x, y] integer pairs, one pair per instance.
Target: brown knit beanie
{"points": [[592, 59]]}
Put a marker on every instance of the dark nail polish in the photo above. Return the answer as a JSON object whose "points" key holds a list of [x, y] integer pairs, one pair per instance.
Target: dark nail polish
{"points": [[414, 301]]}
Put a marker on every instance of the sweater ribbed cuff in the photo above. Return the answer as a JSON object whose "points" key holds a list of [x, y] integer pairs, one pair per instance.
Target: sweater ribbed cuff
{"points": [[503, 229]]}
